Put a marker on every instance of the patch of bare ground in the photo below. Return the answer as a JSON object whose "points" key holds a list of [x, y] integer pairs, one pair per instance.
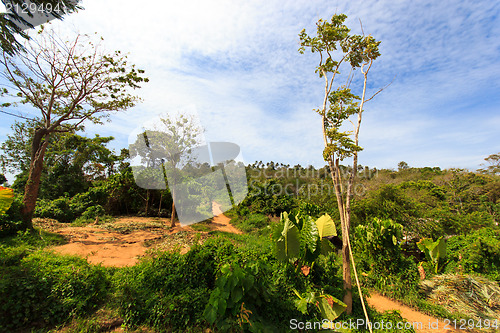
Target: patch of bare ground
{"points": [[421, 322], [123, 241]]}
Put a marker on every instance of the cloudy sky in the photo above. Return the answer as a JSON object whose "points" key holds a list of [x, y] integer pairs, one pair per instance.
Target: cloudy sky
{"points": [[236, 64]]}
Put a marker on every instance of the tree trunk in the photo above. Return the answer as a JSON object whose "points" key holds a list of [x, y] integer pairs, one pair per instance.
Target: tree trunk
{"points": [[346, 268], [38, 148], [172, 217], [345, 227], [159, 208], [147, 203]]}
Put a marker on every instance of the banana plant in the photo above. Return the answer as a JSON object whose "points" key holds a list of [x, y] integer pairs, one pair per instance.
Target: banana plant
{"points": [[288, 244], [435, 251], [303, 238], [6, 199], [301, 241]]}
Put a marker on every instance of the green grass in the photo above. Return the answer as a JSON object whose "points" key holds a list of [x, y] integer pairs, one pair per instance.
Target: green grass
{"points": [[200, 226], [35, 239], [82, 221], [252, 222]]}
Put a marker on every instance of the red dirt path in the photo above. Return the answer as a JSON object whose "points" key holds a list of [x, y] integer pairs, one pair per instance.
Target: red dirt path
{"points": [[428, 324], [124, 241]]}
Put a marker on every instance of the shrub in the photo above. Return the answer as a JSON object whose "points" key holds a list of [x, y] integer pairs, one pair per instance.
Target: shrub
{"points": [[46, 288], [11, 221], [146, 292], [378, 244], [58, 209], [477, 252], [379, 253]]}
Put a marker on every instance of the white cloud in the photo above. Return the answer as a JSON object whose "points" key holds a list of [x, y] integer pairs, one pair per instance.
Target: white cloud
{"points": [[237, 63]]}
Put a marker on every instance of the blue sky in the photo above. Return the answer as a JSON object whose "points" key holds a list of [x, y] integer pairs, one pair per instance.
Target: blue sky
{"points": [[236, 64]]}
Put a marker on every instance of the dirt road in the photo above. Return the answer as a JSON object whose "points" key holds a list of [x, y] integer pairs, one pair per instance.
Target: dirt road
{"points": [[420, 321], [124, 241]]}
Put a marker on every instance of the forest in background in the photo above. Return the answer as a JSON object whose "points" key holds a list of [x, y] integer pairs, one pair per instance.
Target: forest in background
{"points": [[85, 180]]}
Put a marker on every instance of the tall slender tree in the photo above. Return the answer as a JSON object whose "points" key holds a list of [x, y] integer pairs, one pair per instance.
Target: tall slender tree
{"points": [[66, 84], [338, 48], [166, 148]]}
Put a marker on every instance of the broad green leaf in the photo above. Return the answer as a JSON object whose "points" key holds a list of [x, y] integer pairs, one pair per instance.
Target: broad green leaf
{"points": [[326, 247], [6, 199], [330, 312], [221, 306], [326, 226], [309, 235], [301, 305], [441, 248], [426, 245], [288, 245], [434, 250], [210, 313], [236, 295], [248, 282]]}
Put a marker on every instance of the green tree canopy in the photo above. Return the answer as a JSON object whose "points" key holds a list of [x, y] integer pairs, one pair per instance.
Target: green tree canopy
{"points": [[66, 84], [337, 49]]}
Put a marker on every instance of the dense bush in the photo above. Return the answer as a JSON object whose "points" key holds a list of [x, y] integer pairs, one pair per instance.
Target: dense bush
{"points": [[58, 209], [381, 258], [45, 288], [388, 202], [476, 252], [170, 291], [11, 221], [143, 289], [266, 197], [64, 209]]}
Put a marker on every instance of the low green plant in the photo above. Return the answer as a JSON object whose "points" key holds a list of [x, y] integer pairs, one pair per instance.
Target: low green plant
{"points": [[251, 222], [47, 288], [11, 221], [329, 307], [476, 252], [393, 322], [6, 199], [58, 209], [378, 246], [435, 252], [93, 214], [237, 288], [301, 242], [302, 238], [169, 291], [381, 261]]}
